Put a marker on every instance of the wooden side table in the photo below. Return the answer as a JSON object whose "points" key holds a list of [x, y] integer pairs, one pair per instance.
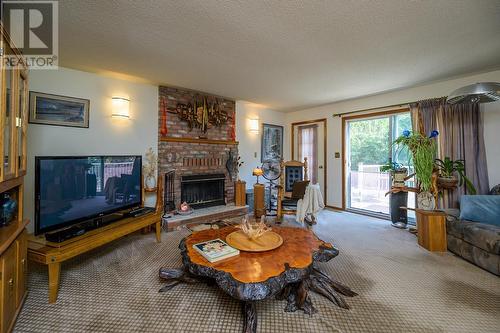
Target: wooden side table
{"points": [[431, 227], [240, 193], [259, 207]]}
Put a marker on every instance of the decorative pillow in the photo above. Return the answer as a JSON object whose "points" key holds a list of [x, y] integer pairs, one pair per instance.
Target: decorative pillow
{"points": [[495, 190], [299, 189], [480, 208]]}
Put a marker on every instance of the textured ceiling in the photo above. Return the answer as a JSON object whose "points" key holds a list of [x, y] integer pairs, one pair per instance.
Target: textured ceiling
{"points": [[284, 54]]}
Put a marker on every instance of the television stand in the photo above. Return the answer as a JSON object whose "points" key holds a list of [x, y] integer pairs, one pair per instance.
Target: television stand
{"points": [[53, 254]]}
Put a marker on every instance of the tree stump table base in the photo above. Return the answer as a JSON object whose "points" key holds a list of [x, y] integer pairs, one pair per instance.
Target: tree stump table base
{"points": [[291, 283]]}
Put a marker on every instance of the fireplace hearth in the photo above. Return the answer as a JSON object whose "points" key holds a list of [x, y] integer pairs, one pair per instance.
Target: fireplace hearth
{"points": [[204, 190]]}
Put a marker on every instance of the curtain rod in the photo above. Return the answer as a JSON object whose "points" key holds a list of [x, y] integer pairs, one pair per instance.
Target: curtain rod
{"points": [[371, 109]]}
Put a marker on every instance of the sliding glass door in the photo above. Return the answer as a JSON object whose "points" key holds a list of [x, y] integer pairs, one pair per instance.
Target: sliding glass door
{"points": [[368, 147]]}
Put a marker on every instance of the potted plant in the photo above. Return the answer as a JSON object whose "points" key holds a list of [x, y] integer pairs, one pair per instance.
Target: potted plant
{"points": [[398, 198], [423, 150], [447, 169], [397, 171]]}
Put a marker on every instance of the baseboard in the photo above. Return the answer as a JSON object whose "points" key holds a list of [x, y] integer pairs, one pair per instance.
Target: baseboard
{"points": [[334, 207], [366, 213]]}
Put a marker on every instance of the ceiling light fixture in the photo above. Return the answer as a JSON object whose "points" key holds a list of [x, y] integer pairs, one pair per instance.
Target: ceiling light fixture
{"points": [[481, 92]]}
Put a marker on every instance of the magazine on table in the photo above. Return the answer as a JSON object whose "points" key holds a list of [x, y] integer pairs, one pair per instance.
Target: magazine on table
{"points": [[215, 250]]}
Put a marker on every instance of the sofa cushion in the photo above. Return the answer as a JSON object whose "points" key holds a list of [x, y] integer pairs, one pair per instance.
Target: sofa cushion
{"points": [[455, 228], [495, 190], [483, 259], [480, 208], [484, 236]]}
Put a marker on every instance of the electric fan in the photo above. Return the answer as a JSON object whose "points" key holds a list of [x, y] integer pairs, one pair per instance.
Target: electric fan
{"points": [[271, 171]]}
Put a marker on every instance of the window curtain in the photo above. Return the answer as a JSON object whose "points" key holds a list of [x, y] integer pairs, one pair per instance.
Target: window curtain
{"points": [[308, 147], [460, 129]]}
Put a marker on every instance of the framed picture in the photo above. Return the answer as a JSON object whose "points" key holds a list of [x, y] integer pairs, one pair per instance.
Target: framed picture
{"points": [[272, 142], [58, 110]]}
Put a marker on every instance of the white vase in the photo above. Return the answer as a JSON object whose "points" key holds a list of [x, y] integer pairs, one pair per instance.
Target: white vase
{"points": [[425, 201], [150, 182]]}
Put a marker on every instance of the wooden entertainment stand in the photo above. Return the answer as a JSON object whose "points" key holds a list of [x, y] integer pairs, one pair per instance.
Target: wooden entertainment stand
{"points": [[53, 254]]}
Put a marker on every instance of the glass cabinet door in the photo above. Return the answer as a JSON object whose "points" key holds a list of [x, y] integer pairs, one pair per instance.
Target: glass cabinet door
{"points": [[8, 116], [22, 119]]}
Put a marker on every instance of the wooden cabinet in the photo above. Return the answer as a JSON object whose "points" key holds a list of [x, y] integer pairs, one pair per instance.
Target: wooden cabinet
{"points": [[13, 235], [22, 266], [8, 286], [13, 261], [13, 112], [21, 119]]}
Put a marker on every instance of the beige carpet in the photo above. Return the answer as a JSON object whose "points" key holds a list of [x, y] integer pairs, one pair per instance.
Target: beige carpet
{"points": [[402, 288]]}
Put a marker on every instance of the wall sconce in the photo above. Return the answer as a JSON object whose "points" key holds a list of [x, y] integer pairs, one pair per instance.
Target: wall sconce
{"points": [[121, 107], [254, 125]]}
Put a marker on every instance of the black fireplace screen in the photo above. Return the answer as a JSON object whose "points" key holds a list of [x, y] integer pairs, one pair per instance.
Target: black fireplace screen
{"points": [[203, 190]]}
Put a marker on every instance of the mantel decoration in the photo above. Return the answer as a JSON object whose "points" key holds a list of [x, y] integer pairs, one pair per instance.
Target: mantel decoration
{"points": [[233, 164], [200, 113], [149, 168]]}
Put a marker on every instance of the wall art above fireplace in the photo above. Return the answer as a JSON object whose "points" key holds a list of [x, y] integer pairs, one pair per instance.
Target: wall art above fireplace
{"points": [[187, 114]]}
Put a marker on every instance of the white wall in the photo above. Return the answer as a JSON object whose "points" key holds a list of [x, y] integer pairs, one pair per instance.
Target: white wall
{"points": [[491, 113], [249, 147], [437, 89], [105, 135]]}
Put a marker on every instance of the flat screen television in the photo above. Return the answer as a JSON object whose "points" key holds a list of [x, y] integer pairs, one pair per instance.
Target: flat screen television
{"points": [[71, 189]]}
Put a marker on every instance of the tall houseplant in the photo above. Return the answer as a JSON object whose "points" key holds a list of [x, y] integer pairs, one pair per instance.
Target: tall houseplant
{"points": [[423, 151]]}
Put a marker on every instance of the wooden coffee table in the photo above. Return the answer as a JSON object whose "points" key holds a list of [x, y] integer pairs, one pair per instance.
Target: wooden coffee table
{"points": [[288, 272]]}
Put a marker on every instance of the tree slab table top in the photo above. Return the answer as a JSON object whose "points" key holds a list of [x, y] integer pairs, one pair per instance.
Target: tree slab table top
{"points": [[287, 272]]}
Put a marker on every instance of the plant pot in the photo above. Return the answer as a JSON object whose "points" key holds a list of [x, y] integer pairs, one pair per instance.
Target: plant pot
{"points": [[448, 183], [425, 201], [399, 217], [398, 177], [150, 182]]}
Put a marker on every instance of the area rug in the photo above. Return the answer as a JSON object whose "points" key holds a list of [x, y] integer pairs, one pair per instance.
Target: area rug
{"points": [[402, 287]]}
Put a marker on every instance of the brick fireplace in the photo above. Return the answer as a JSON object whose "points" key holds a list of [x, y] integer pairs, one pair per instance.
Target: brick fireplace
{"points": [[194, 154]]}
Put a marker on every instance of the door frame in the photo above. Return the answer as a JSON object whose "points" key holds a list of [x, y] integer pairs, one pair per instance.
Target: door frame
{"points": [[344, 139], [325, 136]]}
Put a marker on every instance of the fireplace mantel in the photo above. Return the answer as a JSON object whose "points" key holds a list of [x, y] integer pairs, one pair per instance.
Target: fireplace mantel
{"points": [[195, 140]]}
